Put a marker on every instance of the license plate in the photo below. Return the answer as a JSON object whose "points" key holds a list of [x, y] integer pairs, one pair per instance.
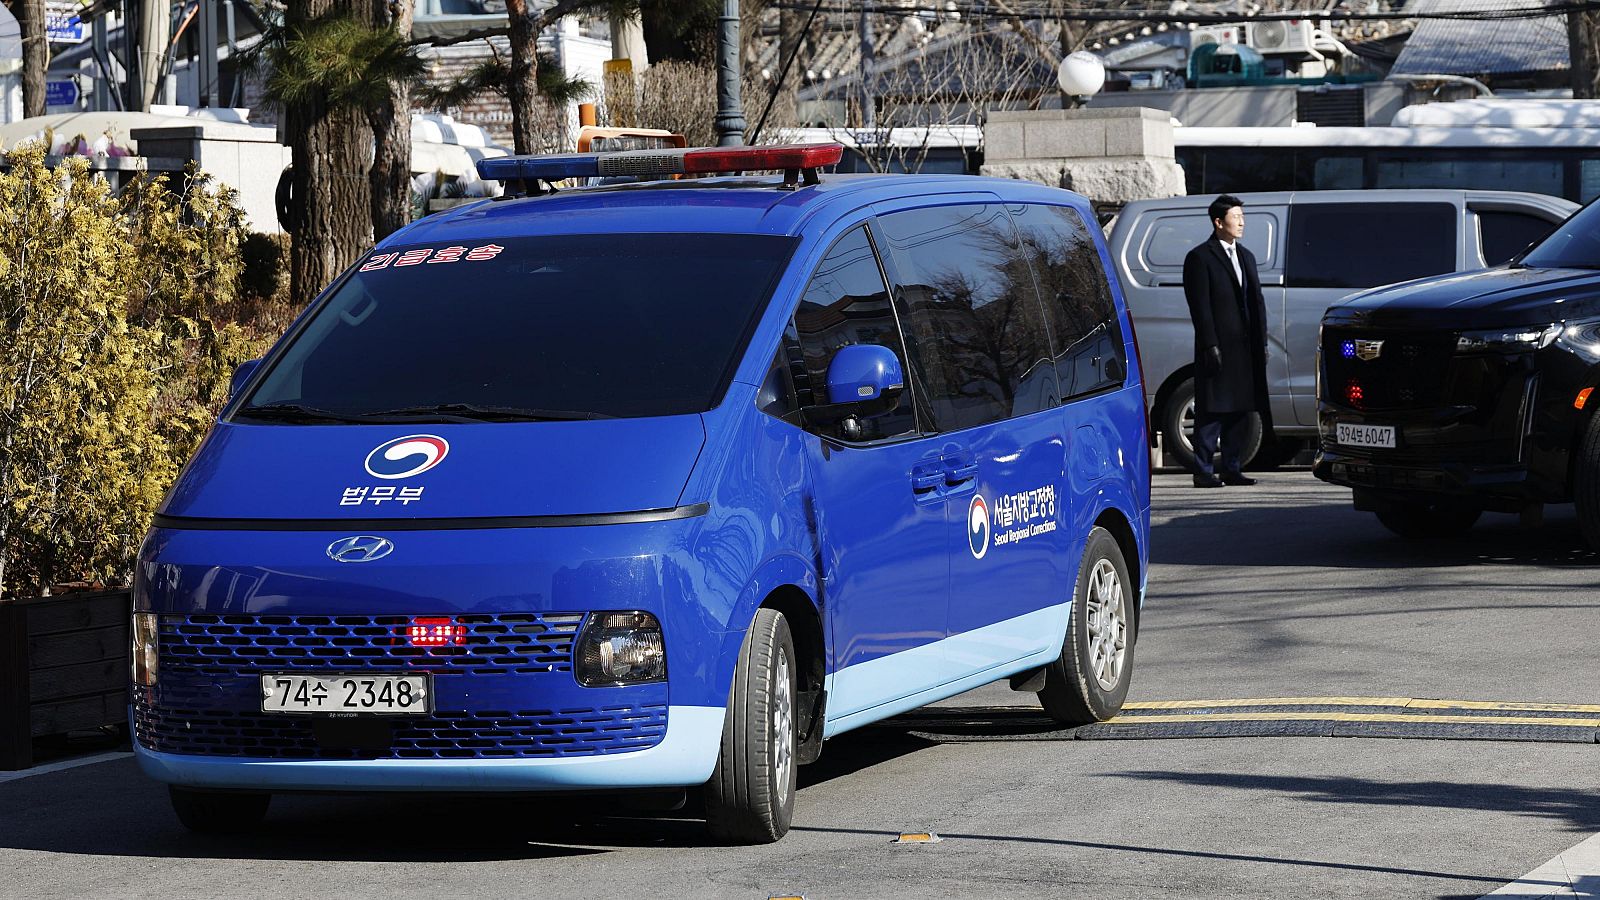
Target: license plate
{"points": [[343, 695], [1365, 435]]}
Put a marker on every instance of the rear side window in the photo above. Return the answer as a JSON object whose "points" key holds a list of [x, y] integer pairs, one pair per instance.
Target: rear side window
{"points": [[1356, 245], [974, 326], [1503, 234], [1077, 298], [846, 302]]}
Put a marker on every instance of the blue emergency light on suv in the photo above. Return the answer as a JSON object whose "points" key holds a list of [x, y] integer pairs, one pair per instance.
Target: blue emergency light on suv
{"points": [[652, 487]]}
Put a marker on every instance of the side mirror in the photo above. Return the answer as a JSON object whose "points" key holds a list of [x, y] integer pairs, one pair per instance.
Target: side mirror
{"points": [[864, 380], [242, 375], [863, 372]]}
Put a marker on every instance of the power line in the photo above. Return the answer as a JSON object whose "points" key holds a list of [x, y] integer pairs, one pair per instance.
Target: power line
{"points": [[1080, 14]]}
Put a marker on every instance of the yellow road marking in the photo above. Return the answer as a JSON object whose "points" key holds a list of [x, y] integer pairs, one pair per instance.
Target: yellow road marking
{"points": [[1354, 717], [1272, 701], [1493, 704], [1400, 702]]}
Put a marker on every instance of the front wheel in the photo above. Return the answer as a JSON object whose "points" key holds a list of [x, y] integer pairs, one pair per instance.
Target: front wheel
{"points": [[750, 797], [1438, 519], [1089, 681], [218, 812]]}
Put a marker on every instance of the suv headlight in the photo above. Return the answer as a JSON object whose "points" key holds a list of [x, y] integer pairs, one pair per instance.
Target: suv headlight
{"points": [[619, 648], [146, 649], [1508, 340]]}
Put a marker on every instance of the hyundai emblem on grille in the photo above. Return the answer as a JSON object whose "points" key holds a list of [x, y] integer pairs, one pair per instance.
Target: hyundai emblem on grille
{"points": [[1369, 350], [360, 548]]}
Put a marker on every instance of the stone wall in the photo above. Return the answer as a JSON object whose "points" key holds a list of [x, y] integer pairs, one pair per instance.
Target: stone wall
{"points": [[1112, 156]]}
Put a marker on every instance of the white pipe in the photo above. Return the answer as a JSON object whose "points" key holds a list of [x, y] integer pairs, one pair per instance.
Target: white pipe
{"points": [[1483, 89]]}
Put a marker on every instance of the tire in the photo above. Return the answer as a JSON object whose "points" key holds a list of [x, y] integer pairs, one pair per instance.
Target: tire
{"points": [[218, 812], [750, 797], [1421, 520], [1586, 484], [1089, 681], [1176, 425]]}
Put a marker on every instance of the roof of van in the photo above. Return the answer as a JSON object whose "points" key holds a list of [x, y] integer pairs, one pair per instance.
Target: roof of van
{"points": [[1373, 195], [738, 205]]}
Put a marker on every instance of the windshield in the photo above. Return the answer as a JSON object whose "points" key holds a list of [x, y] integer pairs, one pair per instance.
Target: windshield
{"points": [[1574, 245], [562, 327]]}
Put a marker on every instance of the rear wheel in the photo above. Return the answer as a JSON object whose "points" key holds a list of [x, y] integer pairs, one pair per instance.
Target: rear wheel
{"points": [[750, 797], [1586, 484], [218, 812], [1425, 519], [1177, 428], [1089, 681]]}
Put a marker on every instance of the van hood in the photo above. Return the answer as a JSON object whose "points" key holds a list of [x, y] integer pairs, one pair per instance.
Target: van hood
{"points": [[1487, 298], [271, 471]]}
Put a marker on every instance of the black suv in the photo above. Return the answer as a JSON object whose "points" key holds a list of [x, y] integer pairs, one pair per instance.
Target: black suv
{"points": [[1444, 397]]}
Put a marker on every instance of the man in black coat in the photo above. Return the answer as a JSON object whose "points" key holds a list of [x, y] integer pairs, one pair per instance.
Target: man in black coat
{"points": [[1230, 344]]}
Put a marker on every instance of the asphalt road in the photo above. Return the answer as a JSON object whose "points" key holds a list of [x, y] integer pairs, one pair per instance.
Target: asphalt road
{"points": [[1274, 591]]}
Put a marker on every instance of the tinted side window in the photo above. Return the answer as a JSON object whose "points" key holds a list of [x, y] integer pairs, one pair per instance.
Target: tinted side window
{"points": [[1355, 245], [974, 326], [846, 303], [1503, 235], [1077, 298]]}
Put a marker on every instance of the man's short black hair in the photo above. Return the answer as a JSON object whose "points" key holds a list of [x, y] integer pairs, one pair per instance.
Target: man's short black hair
{"points": [[1220, 206]]}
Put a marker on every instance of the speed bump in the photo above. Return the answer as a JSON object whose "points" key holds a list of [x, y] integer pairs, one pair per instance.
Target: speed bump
{"points": [[1374, 717]]}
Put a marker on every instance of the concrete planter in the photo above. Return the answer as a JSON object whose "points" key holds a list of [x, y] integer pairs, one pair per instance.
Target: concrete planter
{"points": [[63, 667]]}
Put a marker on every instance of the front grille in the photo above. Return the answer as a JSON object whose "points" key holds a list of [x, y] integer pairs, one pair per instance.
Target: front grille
{"points": [[246, 645], [495, 734], [1411, 371]]}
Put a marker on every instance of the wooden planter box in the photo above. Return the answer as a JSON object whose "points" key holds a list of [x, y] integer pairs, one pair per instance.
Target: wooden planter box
{"points": [[63, 667]]}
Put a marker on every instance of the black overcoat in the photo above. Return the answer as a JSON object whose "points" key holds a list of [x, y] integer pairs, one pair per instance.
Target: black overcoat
{"points": [[1232, 318]]}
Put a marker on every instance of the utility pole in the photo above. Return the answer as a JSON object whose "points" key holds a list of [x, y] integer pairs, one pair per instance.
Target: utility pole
{"points": [[156, 32], [730, 113]]}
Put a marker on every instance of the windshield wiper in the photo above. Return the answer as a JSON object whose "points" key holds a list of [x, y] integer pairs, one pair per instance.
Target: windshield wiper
{"points": [[482, 413], [294, 412]]}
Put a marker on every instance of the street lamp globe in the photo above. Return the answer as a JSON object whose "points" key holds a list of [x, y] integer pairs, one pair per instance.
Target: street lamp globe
{"points": [[1082, 74]]}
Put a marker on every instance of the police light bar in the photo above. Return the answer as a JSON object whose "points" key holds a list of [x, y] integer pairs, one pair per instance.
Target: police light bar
{"points": [[700, 161]]}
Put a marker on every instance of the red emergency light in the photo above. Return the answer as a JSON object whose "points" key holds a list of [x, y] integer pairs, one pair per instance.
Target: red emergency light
{"points": [[435, 631], [792, 159]]}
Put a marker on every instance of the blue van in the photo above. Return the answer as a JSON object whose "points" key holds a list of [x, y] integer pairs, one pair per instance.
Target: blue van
{"points": [[653, 486]]}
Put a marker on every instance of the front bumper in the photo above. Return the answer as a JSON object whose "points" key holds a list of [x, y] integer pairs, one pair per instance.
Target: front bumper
{"points": [[685, 757]]}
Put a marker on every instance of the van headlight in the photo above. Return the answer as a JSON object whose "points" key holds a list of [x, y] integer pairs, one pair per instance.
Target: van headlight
{"points": [[1508, 340], [146, 650], [620, 648]]}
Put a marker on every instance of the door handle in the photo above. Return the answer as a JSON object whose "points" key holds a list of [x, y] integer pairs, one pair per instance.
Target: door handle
{"points": [[961, 472], [959, 468], [925, 479]]}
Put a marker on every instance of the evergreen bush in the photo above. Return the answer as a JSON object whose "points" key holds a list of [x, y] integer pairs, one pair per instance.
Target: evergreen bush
{"points": [[116, 348]]}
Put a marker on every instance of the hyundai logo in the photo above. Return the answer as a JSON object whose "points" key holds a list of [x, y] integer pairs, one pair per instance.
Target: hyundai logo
{"points": [[361, 548], [1368, 351]]}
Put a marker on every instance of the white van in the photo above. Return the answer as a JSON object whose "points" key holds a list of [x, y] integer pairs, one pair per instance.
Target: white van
{"points": [[1313, 248]]}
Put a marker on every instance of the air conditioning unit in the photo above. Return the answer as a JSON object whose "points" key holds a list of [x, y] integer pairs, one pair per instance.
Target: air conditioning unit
{"points": [[1282, 36], [1216, 34]]}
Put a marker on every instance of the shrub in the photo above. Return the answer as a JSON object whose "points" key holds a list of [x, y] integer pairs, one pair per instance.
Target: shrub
{"points": [[115, 353]]}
